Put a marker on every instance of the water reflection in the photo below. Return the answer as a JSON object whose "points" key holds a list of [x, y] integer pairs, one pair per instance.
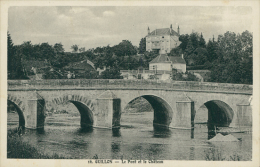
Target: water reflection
{"points": [[192, 133], [192, 153], [161, 132], [116, 133], [40, 131], [85, 130], [115, 149]]}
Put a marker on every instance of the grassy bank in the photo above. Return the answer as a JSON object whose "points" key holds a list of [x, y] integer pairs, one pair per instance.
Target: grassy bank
{"points": [[16, 148], [213, 154]]}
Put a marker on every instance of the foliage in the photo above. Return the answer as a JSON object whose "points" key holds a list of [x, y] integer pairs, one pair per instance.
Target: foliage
{"points": [[214, 154], [234, 63], [142, 46], [176, 75], [212, 48], [75, 48], [229, 58], [14, 64], [58, 48], [202, 42], [176, 52], [82, 49], [112, 73], [179, 76], [18, 149], [91, 74], [125, 48], [184, 39], [153, 77], [148, 57]]}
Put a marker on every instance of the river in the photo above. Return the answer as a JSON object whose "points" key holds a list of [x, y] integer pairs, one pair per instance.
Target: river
{"points": [[136, 139]]}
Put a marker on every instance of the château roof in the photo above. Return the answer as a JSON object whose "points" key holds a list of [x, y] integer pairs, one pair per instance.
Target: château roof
{"points": [[164, 31], [163, 58]]}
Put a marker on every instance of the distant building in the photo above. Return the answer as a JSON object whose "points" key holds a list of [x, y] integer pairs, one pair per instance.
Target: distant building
{"points": [[159, 68], [163, 66], [167, 63], [35, 69], [80, 68], [163, 40]]}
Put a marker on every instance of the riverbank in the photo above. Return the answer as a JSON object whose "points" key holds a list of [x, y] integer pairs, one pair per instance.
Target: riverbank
{"points": [[16, 148]]}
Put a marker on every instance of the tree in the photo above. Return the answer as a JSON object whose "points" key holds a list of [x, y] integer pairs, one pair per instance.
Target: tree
{"points": [[202, 42], [148, 57], [82, 49], [184, 41], [234, 63], [176, 52], [75, 48], [58, 48], [47, 51], [194, 38], [124, 48], [10, 54], [212, 48], [26, 50], [189, 49], [14, 64], [200, 56], [142, 45]]}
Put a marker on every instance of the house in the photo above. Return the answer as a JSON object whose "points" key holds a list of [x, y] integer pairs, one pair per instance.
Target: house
{"points": [[35, 69], [79, 69], [162, 40], [167, 63], [163, 65]]}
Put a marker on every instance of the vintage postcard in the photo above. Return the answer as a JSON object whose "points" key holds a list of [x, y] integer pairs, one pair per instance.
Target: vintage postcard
{"points": [[114, 83]]}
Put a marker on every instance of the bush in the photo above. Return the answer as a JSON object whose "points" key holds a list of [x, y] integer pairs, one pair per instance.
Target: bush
{"points": [[16, 148], [214, 154]]}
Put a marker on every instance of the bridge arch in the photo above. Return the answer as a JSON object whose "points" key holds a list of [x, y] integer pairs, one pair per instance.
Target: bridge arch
{"points": [[220, 114], [19, 107], [163, 112], [84, 105]]}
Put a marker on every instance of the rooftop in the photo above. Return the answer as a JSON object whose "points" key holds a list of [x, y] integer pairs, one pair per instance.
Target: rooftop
{"points": [[163, 58], [164, 31], [39, 65], [81, 65]]}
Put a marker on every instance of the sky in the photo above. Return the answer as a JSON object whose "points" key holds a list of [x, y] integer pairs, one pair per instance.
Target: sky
{"points": [[98, 26]]}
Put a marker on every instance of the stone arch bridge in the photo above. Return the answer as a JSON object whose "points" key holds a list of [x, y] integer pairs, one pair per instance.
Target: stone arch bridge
{"points": [[100, 101]]}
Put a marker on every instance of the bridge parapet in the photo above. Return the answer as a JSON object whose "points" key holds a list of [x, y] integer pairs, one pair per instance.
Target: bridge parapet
{"points": [[128, 84]]}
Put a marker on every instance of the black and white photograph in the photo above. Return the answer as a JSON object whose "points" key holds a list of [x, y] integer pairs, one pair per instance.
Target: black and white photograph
{"points": [[130, 84]]}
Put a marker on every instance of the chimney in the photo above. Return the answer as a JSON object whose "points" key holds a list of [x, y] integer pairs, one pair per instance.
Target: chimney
{"points": [[171, 28], [148, 30], [178, 30], [182, 56]]}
